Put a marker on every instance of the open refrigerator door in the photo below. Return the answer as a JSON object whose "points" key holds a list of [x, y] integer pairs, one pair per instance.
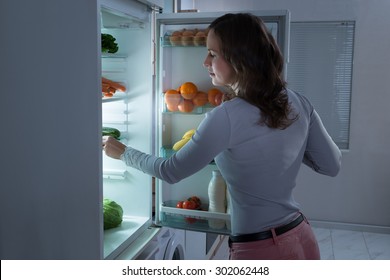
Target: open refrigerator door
{"points": [[181, 52]]}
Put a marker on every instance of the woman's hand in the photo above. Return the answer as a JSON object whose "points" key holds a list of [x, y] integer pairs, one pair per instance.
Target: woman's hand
{"points": [[112, 147]]}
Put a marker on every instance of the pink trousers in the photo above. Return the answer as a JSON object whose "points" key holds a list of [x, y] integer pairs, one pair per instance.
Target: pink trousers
{"points": [[298, 243]]}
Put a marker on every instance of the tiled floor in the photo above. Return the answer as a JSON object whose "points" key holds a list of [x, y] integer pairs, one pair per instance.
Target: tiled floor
{"points": [[336, 244]]}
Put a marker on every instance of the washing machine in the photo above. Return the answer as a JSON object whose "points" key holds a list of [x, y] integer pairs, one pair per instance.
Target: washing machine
{"points": [[171, 243], [168, 244]]}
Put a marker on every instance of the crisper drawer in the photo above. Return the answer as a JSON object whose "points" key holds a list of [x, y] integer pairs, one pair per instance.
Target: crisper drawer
{"points": [[195, 220]]}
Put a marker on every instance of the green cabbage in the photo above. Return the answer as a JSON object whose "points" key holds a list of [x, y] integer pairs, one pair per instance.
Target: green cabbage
{"points": [[112, 213]]}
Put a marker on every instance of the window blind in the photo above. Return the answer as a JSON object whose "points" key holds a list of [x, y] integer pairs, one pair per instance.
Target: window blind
{"points": [[320, 67]]}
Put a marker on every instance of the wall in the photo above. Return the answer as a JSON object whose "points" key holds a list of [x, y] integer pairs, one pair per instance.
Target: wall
{"points": [[360, 194]]}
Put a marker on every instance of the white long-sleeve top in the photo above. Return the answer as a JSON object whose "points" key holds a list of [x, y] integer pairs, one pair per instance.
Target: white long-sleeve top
{"points": [[258, 163]]}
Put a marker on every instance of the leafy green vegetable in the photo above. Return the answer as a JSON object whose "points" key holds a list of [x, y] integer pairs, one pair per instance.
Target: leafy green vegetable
{"points": [[108, 43], [110, 131], [112, 213]]}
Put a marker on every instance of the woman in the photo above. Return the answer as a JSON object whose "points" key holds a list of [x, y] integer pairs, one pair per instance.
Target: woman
{"points": [[258, 137]]}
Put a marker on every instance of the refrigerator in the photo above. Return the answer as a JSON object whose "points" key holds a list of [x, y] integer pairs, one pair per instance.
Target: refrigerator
{"points": [[54, 172]]}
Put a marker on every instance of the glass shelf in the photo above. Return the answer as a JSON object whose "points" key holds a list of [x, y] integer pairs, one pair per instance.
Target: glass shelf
{"points": [[115, 174], [198, 110], [113, 20], [115, 56], [197, 220], [166, 42], [115, 98], [195, 111]]}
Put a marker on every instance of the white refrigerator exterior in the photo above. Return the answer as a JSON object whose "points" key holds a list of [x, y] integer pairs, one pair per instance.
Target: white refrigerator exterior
{"points": [[50, 194], [54, 175], [52, 165]]}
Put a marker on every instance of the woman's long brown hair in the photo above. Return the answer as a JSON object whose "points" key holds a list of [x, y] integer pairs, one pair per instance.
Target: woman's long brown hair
{"points": [[258, 63]]}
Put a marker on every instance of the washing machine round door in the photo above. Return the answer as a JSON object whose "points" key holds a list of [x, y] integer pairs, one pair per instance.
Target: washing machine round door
{"points": [[175, 247]]}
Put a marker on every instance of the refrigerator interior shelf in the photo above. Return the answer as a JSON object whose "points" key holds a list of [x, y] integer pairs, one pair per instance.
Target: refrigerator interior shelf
{"points": [[115, 70], [117, 239], [110, 19], [125, 25], [119, 122], [114, 56], [119, 96], [115, 174], [114, 64]]}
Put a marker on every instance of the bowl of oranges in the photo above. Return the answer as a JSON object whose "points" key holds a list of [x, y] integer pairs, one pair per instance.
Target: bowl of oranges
{"points": [[187, 98]]}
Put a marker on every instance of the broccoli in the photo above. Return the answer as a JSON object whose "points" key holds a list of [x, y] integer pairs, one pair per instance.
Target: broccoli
{"points": [[108, 43]]}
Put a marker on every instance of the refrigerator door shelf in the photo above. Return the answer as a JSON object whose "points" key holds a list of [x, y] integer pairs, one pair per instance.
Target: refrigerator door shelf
{"points": [[197, 220], [172, 41], [195, 111], [198, 110], [191, 224]]}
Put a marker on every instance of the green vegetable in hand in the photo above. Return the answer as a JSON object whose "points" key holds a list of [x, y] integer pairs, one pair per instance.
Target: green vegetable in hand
{"points": [[108, 43], [110, 131], [112, 213]]}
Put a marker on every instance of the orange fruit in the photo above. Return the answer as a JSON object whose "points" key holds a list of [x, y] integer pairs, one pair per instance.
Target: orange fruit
{"points": [[172, 97], [172, 108], [186, 106], [215, 96], [218, 99], [200, 99], [188, 90]]}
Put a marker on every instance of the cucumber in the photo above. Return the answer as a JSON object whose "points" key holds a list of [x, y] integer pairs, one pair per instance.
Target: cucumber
{"points": [[110, 131]]}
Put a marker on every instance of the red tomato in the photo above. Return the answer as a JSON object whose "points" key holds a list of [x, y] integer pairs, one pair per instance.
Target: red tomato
{"points": [[190, 220], [179, 204], [189, 204], [196, 200]]}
